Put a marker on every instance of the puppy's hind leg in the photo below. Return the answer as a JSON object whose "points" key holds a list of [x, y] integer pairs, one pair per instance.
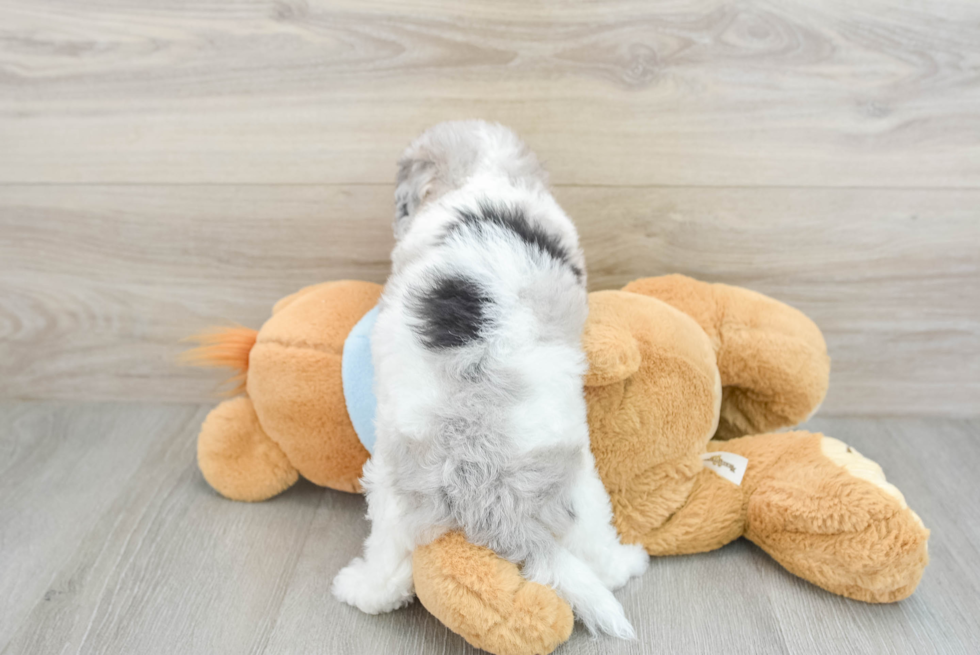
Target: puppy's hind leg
{"points": [[578, 585], [381, 581], [593, 539]]}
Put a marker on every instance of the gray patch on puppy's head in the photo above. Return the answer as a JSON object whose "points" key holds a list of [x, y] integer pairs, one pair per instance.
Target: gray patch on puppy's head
{"points": [[446, 155]]}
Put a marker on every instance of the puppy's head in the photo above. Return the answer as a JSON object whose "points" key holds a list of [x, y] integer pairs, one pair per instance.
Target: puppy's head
{"points": [[446, 155]]}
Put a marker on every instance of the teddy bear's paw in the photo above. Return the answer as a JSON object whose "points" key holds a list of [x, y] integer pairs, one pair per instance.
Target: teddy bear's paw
{"points": [[621, 563], [861, 467], [372, 592]]}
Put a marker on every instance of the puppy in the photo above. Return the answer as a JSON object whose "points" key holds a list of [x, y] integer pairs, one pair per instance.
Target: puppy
{"points": [[481, 422]]}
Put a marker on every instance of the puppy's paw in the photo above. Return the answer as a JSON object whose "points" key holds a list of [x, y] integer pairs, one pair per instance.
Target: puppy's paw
{"points": [[623, 562], [636, 558], [358, 585]]}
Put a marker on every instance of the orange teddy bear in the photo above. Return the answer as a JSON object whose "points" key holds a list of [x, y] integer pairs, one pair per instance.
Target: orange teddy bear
{"points": [[680, 371]]}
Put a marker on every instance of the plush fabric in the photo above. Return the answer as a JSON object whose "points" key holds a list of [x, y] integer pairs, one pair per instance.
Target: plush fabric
{"points": [[772, 357], [485, 599], [678, 368], [238, 457], [296, 390]]}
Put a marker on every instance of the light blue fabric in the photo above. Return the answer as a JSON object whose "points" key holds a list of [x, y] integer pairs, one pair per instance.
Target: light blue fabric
{"points": [[357, 372]]}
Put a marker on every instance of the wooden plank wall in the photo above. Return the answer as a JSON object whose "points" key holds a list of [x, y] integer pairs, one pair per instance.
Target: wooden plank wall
{"points": [[167, 165]]}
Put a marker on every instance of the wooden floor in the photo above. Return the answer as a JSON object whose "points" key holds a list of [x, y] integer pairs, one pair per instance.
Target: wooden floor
{"points": [[113, 543], [166, 165]]}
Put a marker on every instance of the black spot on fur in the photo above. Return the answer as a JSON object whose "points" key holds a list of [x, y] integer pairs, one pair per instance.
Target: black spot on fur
{"points": [[514, 219], [452, 313]]}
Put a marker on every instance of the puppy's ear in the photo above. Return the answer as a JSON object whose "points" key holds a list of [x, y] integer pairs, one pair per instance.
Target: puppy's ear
{"points": [[439, 160], [416, 176], [446, 155]]}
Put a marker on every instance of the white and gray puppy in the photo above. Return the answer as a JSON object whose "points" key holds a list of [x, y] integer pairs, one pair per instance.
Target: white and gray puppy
{"points": [[481, 422]]}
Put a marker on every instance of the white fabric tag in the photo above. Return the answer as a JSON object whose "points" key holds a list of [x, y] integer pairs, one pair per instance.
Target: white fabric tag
{"points": [[728, 465]]}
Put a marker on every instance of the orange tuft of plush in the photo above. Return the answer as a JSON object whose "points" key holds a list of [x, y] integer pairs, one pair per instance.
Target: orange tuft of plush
{"points": [[223, 347]]}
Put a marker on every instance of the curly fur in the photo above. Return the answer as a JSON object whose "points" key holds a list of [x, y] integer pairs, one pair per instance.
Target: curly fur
{"points": [[481, 414]]}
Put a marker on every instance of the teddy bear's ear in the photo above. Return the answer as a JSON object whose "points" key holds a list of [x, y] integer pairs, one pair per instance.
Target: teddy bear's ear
{"points": [[613, 353]]}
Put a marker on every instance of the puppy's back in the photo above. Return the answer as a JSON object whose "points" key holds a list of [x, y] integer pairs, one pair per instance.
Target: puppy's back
{"points": [[489, 288]]}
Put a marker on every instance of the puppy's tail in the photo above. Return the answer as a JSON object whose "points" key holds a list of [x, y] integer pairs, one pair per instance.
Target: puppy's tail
{"points": [[227, 347], [574, 581]]}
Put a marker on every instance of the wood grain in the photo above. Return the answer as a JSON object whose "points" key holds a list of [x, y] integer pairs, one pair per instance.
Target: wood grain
{"points": [[61, 470], [112, 543], [101, 282], [686, 92]]}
